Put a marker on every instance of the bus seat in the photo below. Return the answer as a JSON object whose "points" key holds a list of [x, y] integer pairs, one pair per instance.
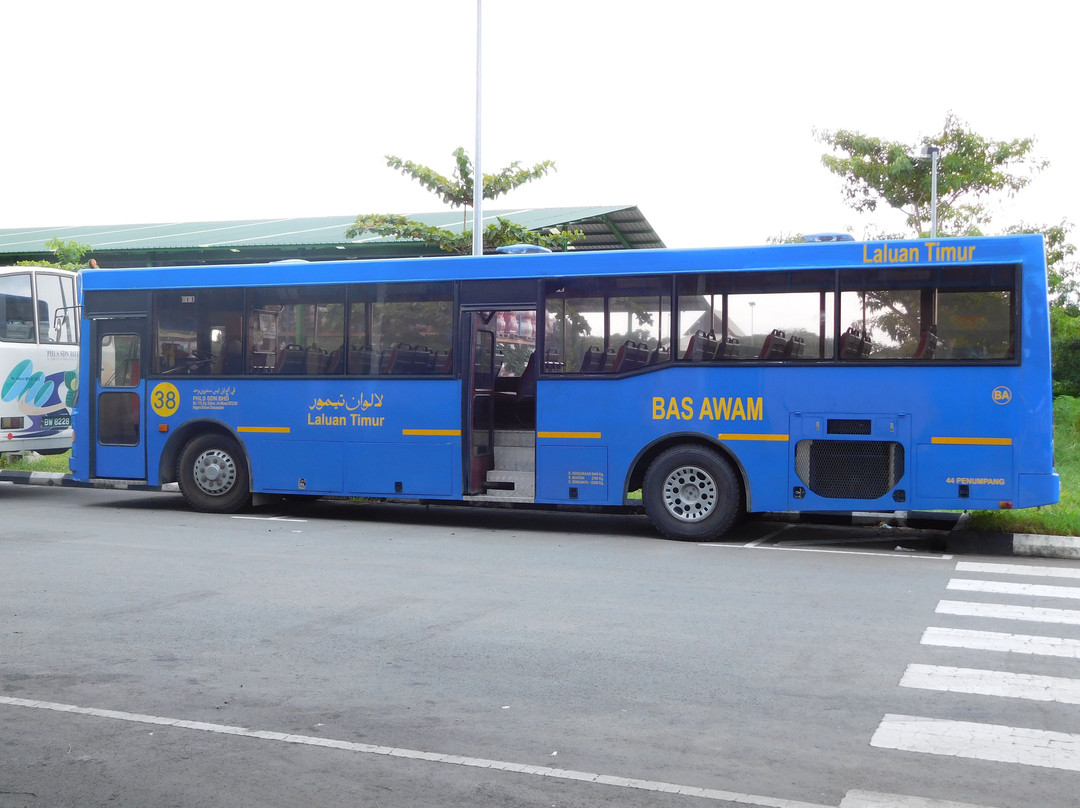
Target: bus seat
{"points": [[360, 360], [698, 347], [292, 360], [631, 355], [794, 348], [527, 385], [620, 357], [335, 363], [728, 349], [392, 359], [866, 347], [316, 360], [928, 343], [444, 362], [661, 354], [773, 346], [422, 360], [851, 344], [552, 362], [593, 360], [399, 361], [232, 358], [712, 348], [521, 389]]}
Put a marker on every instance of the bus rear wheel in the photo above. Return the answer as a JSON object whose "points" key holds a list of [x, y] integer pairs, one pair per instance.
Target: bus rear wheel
{"points": [[213, 475], [691, 494]]}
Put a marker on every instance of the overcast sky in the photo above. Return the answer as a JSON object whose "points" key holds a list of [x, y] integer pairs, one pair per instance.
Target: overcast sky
{"points": [[700, 112]]}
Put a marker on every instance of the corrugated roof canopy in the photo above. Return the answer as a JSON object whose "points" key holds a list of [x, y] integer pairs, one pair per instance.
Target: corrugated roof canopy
{"points": [[317, 238]]}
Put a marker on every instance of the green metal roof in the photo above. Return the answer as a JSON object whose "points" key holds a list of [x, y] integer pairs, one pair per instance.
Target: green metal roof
{"points": [[315, 238]]}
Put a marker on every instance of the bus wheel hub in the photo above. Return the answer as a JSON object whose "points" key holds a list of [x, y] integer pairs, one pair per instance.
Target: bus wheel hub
{"points": [[215, 472], [689, 493]]}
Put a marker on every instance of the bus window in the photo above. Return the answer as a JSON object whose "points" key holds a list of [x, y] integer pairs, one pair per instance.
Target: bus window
{"points": [[975, 325], [607, 325], [199, 332], [56, 309], [296, 331], [755, 315], [16, 308], [119, 360], [963, 314], [400, 329]]}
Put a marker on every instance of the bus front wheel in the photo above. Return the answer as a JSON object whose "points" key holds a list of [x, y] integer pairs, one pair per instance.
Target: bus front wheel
{"points": [[691, 494], [213, 475]]}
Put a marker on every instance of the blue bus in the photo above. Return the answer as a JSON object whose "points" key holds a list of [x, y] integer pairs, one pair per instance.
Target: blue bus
{"points": [[698, 385]]}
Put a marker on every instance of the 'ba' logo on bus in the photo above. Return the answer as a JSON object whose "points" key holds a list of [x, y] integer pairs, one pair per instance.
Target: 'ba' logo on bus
{"points": [[1002, 395]]}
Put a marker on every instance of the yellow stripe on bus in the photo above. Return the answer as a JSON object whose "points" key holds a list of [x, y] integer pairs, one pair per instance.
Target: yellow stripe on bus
{"points": [[568, 435], [973, 441], [751, 436], [284, 429], [447, 433]]}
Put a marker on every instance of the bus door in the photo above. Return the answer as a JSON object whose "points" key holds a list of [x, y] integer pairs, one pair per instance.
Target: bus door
{"points": [[118, 449], [478, 327]]}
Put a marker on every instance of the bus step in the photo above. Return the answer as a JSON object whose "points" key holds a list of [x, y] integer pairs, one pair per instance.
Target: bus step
{"points": [[522, 483]]}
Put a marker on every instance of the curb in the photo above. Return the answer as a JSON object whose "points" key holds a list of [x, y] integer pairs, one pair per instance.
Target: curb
{"points": [[1027, 544], [55, 478]]}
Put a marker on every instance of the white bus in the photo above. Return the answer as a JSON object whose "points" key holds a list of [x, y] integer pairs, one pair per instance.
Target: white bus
{"points": [[39, 358]]}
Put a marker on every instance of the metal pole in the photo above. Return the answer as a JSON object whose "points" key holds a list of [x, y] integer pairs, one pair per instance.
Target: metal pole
{"points": [[933, 191], [478, 172]]}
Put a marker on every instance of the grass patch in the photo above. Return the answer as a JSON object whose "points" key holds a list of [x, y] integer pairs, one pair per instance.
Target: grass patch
{"points": [[1062, 519], [57, 463]]}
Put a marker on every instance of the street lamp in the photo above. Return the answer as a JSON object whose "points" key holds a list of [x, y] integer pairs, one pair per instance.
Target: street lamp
{"points": [[932, 153], [752, 322]]}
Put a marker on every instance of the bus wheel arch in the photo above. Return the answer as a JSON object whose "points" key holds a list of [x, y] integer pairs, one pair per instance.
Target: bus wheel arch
{"points": [[692, 490], [213, 471]]}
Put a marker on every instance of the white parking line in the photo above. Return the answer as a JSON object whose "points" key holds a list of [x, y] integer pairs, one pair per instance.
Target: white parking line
{"points": [[432, 757], [270, 518], [1018, 569], [999, 611], [1030, 747], [992, 683], [1000, 641], [1007, 588], [787, 549], [873, 799]]}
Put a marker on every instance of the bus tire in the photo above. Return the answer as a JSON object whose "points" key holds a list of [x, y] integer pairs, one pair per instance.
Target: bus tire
{"points": [[692, 494], [213, 475]]}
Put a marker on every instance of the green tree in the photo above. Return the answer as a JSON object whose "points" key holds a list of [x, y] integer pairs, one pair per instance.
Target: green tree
{"points": [[970, 168], [1062, 273], [457, 191], [69, 255]]}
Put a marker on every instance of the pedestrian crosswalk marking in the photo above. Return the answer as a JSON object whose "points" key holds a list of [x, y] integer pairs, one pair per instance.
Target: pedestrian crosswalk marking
{"points": [[1000, 641], [1034, 614], [1030, 747], [992, 683], [1008, 588], [1018, 569], [992, 742]]}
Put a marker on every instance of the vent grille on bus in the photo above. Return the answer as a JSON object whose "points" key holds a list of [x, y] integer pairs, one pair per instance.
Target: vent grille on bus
{"points": [[848, 426], [849, 469]]}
